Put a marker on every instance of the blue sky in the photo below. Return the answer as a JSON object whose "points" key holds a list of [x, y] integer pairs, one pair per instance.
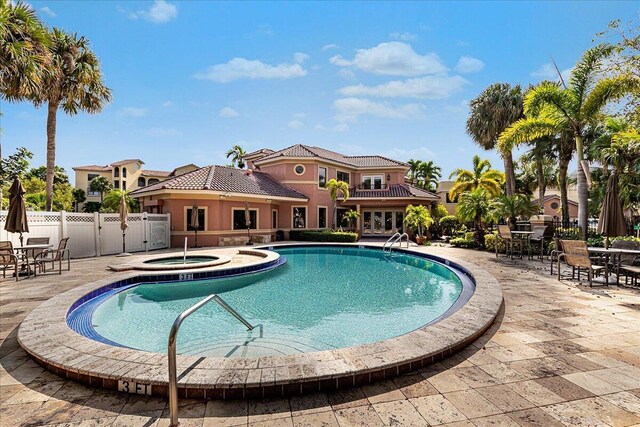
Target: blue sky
{"points": [[190, 79]]}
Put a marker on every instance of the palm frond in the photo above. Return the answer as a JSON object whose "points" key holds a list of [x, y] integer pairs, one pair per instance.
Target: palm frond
{"points": [[585, 72], [526, 130], [608, 90]]}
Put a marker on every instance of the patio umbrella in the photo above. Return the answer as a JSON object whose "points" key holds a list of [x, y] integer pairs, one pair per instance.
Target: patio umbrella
{"points": [[124, 213], [194, 222], [611, 221], [17, 215], [247, 220]]}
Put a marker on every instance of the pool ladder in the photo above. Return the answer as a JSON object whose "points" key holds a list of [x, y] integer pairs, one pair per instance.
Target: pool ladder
{"points": [[171, 351], [396, 238]]}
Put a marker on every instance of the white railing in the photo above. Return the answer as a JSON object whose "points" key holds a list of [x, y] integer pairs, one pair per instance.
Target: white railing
{"points": [[396, 238], [95, 234]]}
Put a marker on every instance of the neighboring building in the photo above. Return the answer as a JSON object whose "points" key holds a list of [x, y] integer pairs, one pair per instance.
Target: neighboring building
{"points": [[285, 190], [552, 206], [124, 174], [443, 194]]}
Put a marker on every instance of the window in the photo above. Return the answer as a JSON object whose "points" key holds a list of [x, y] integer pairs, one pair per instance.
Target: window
{"points": [[322, 177], [153, 181], [299, 219], [343, 176], [201, 219], [274, 219], [90, 178], [366, 182], [239, 219], [554, 205], [142, 182], [298, 169], [116, 172], [124, 185], [124, 172], [322, 217], [372, 182], [116, 184]]}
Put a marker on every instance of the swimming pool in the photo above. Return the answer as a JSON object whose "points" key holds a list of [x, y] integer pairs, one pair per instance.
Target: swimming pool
{"points": [[322, 298]]}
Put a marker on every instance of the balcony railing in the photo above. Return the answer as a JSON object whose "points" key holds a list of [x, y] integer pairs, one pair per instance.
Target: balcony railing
{"points": [[372, 186]]}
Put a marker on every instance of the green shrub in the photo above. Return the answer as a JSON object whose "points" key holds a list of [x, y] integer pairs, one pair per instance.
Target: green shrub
{"points": [[323, 236], [449, 224], [626, 239], [490, 242], [468, 235], [461, 242]]}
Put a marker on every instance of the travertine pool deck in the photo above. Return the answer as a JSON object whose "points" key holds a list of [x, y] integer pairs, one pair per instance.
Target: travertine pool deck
{"points": [[558, 354]]}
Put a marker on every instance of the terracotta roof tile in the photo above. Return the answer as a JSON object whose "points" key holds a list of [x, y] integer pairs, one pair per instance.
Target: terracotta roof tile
{"points": [[93, 168], [225, 179], [125, 161], [300, 150], [394, 191], [146, 172]]}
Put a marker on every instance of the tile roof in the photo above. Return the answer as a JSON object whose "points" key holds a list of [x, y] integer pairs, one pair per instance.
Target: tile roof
{"points": [[548, 197], [125, 161], [93, 168], [262, 151], [394, 191], [146, 172], [225, 179], [300, 150]]}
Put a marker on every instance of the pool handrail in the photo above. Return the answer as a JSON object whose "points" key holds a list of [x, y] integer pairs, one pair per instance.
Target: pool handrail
{"points": [[171, 349], [397, 237], [390, 240]]}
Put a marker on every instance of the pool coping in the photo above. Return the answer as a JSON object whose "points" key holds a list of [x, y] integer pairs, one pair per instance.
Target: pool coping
{"points": [[44, 334]]}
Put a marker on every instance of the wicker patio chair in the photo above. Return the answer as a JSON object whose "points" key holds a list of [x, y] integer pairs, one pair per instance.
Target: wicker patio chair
{"points": [[8, 259], [510, 244], [576, 255], [31, 254], [54, 255]]}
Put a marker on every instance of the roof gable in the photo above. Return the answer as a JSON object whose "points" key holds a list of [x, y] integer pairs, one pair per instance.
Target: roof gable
{"points": [[301, 151]]}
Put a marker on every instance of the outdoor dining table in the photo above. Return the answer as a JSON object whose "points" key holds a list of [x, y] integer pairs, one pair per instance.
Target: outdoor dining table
{"points": [[23, 250], [523, 235], [612, 254]]}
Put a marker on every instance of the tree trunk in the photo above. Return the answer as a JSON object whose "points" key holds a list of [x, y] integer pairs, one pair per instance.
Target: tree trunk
{"points": [[562, 183], [1, 182], [51, 152], [509, 173], [583, 191], [542, 185]]}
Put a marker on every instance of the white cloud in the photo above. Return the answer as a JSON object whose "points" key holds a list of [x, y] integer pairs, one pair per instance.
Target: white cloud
{"points": [[405, 154], [242, 68], [228, 112], [295, 124], [340, 127], [406, 37], [300, 57], [47, 11], [164, 132], [329, 47], [428, 87], [349, 109], [548, 72], [347, 73], [160, 12], [393, 59], [167, 104], [468, 64], [133, 112]]}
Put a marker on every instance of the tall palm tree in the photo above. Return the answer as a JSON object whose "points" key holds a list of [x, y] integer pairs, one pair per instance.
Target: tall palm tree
{"points": [[475, 206], [539, 159], [429, 174], [337, 188], [494, 110], [577, 105], [25, 56], [237, 155], [612, 126], [75, 86], [414, 166], [481, 176]]}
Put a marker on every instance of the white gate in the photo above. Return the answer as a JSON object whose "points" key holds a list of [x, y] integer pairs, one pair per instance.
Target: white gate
{"points": [[82, 230], [111, 235]]}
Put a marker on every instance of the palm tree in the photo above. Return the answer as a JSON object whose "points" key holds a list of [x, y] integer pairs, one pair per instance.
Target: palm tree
{"points": [[75, 86], [429, 175], [351, 216], [237, 155], [418, 218], [509, 208], [475, 206], [576, 107], [494, 110], [101, 185], [336, 188], [481, 176], [112, 200], [612, 127], [539, 162], [414, 166], [25, 56]]}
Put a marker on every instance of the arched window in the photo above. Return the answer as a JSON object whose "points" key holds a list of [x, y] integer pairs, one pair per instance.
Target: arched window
{"points": [[153, 181], [142, 182], [124, 172], [116, 172]]}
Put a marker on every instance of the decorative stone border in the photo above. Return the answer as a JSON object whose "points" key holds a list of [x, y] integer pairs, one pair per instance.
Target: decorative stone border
{"points": [[45, 335]]}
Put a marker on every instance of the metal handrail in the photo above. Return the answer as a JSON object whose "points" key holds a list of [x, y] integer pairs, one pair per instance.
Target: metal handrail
{"points": [[389, 240], [397, 238], [171, 350]]}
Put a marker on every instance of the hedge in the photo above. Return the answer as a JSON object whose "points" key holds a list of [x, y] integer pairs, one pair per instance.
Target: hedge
{"points": [[323, 236], [462, 242]]}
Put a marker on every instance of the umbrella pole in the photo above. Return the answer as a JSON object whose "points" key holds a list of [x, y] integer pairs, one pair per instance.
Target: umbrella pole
{"points": [[21, 239], [123, 240]]}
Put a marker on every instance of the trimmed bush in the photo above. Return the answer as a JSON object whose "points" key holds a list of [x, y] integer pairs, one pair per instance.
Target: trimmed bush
{"points": [[461, 242], [323, 236], [490, 242], [448, 224]]}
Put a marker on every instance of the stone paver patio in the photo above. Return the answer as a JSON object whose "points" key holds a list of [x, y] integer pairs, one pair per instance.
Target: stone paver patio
{"points": [[559, 354]]}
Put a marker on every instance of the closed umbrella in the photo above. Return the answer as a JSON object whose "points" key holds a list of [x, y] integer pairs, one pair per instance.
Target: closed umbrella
{"points": [[194, 222], [611, 221], [124, 213], [17, 215], [247, 220]]}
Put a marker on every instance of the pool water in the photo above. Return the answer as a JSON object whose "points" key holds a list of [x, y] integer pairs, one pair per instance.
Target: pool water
{"points": [[191, 259], [322, 298]]}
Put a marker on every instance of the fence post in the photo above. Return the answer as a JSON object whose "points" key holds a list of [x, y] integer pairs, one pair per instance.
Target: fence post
{"points": [[63, 224], [145, 233], [96, 232], [169, 230]]}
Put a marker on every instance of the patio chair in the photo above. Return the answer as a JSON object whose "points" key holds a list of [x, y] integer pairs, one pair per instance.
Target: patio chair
{"points": [[540, 234], [555, 253], [8, 259], [32, 253], [52, 256], [576, 256], [628, 265], [510, 244]]}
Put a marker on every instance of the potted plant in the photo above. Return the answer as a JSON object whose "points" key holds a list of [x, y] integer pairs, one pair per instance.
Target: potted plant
{"points": [[351, 217], [419, 219]]}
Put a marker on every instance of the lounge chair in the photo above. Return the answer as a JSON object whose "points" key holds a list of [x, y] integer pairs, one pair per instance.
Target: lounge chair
{"points": [[8, 259], [540, 234], [32, 253], [576, 255], [510, 244], [52, 256]]}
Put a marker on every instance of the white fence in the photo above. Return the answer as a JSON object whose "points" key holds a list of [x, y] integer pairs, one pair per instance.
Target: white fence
{"points": [[94, 234]]}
